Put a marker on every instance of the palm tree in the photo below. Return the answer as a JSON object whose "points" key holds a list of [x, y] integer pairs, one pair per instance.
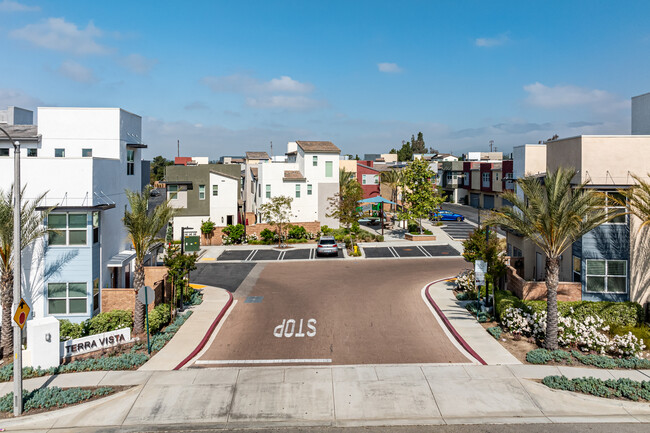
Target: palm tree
{"points": [[345, 180], [31, 229], [553, 215], [637, 200], [143, 228], [392, 178]]}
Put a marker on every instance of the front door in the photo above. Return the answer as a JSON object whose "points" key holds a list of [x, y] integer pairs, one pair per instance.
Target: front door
{"points": [[229, 220]]}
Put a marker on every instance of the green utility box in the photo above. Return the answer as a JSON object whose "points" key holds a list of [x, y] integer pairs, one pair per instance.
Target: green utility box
{"points": [[192, 243]]}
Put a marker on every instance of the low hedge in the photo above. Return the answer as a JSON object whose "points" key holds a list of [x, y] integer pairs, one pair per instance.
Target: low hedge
{"points": [[159, 318], [46, 398], [543, 356], [610, 388], [103, 322], [615, 314]]}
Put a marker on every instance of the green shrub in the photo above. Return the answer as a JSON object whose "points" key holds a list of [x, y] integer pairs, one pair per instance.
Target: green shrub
{"points": [[69, 330], [267, 235], [495, 331], [613, 313], [642, 332], [355, 228], [379, 238], [297, 232], [110, 321], [625, 388], [543, 356], [46, 398], [207, 227], [159, 318], [236, 233]]}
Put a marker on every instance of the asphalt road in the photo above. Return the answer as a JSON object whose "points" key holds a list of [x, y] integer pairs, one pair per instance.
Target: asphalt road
{"points": [[224, 275], [335, 312], [470, 213], [474, 428]]}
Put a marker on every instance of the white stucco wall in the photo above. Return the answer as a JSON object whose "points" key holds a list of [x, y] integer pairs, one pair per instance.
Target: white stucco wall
{"points": [[225, 203]]}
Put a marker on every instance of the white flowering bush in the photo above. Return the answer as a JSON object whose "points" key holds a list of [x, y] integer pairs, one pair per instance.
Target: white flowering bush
{"points": [[465, 281], [587, 335], [626, 345], [252, 237], [226, 240]]}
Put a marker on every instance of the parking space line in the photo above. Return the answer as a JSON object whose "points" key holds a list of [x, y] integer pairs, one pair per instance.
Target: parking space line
{"points": [[393, 252], [312, 253], [425, 252], [250, 256], [265, 361], [281, 256]]}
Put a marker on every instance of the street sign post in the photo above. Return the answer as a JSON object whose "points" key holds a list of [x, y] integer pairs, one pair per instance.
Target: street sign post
{"points": [[146, 296]]}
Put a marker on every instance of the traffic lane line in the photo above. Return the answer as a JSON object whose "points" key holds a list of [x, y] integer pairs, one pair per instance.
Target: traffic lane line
{"points": [[349, 327]]}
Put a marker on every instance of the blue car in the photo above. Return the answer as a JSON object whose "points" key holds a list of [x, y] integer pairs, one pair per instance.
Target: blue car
{"points": [[446, 215]]}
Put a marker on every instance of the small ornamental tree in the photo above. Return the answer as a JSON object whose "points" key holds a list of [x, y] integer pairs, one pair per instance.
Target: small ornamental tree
{"points": [[277, 212], [344, 205], [421, 195], [207, 228], [179, 266], [476, 248]]}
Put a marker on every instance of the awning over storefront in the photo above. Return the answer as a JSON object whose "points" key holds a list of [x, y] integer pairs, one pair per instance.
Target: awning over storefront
{"points": [[121, 259]]}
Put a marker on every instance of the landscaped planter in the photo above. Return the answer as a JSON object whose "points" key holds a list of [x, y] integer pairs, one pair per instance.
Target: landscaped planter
{"points": [[410, 237]]}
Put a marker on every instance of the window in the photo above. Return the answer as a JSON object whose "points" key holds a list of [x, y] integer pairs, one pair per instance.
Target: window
{"points": [[130, 162], [215, 190], [96, 294], [32, 152], [95, 227], [86, 153], [577, 269], [67, 298], [369, 179], [315, 160], [328, 168], [66, 229], [613, 202], [173, 191], [59, 153], [606, 276], [268, 191], [297, 190], [496, 176], [309, 189], [486, 177], [201, 192]]}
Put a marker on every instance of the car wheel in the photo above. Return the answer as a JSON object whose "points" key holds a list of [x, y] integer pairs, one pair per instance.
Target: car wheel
{"points": [[459, 219]]}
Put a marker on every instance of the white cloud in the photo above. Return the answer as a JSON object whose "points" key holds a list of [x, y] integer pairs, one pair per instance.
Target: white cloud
{"points": [[18, 98], [560, 96], [76, 72], [294, 103], [196, 105], [14, 6], [492, 42], [389, 68], [59, 35], [138, 63], [245, 84]]}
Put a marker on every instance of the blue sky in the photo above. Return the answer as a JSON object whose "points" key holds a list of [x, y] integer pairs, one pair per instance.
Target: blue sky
{"points": [[226, 77]]}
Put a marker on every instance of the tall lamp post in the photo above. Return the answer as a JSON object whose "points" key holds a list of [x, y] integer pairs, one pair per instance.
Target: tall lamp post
{"points": [[18, 334]]}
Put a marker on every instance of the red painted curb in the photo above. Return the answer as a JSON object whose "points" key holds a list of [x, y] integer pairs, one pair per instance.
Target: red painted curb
{"points": [[448, 324], [207, 335]]}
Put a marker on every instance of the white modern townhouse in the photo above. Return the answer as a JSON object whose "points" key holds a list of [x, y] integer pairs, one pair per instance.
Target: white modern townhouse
{"points": [[310, 175], [83, 160]]}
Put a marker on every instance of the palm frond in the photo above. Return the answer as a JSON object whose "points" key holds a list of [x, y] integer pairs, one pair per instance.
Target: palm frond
{"points": [[553, 214]]}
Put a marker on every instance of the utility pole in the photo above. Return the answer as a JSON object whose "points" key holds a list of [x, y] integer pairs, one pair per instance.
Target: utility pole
{"points": [[18, 332], [491, 143], [271, 151], [178, 148]]}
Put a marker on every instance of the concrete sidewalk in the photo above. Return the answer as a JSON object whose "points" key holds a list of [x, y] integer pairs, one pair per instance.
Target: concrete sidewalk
{"points": [[192, 332], [339, 396], [492, 352]]}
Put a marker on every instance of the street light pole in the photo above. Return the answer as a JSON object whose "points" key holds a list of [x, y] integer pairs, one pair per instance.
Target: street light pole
{"points": [[18, 334]]}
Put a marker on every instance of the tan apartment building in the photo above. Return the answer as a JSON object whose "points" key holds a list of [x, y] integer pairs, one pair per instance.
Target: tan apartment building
{"points": [[612, 261]]}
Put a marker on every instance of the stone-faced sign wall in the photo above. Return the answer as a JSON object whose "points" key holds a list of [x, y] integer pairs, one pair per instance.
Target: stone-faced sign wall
{"points": [[79, 346]]}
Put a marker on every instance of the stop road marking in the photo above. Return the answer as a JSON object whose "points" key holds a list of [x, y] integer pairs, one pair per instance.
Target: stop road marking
{"points": [[287, 329]]}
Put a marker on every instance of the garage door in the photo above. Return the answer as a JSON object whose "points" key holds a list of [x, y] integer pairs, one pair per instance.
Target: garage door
{"points": [[474, 200], [488, 201]]}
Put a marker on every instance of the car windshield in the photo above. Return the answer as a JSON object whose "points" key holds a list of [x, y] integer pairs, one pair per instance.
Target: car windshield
{"points": [[327, 242]]}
